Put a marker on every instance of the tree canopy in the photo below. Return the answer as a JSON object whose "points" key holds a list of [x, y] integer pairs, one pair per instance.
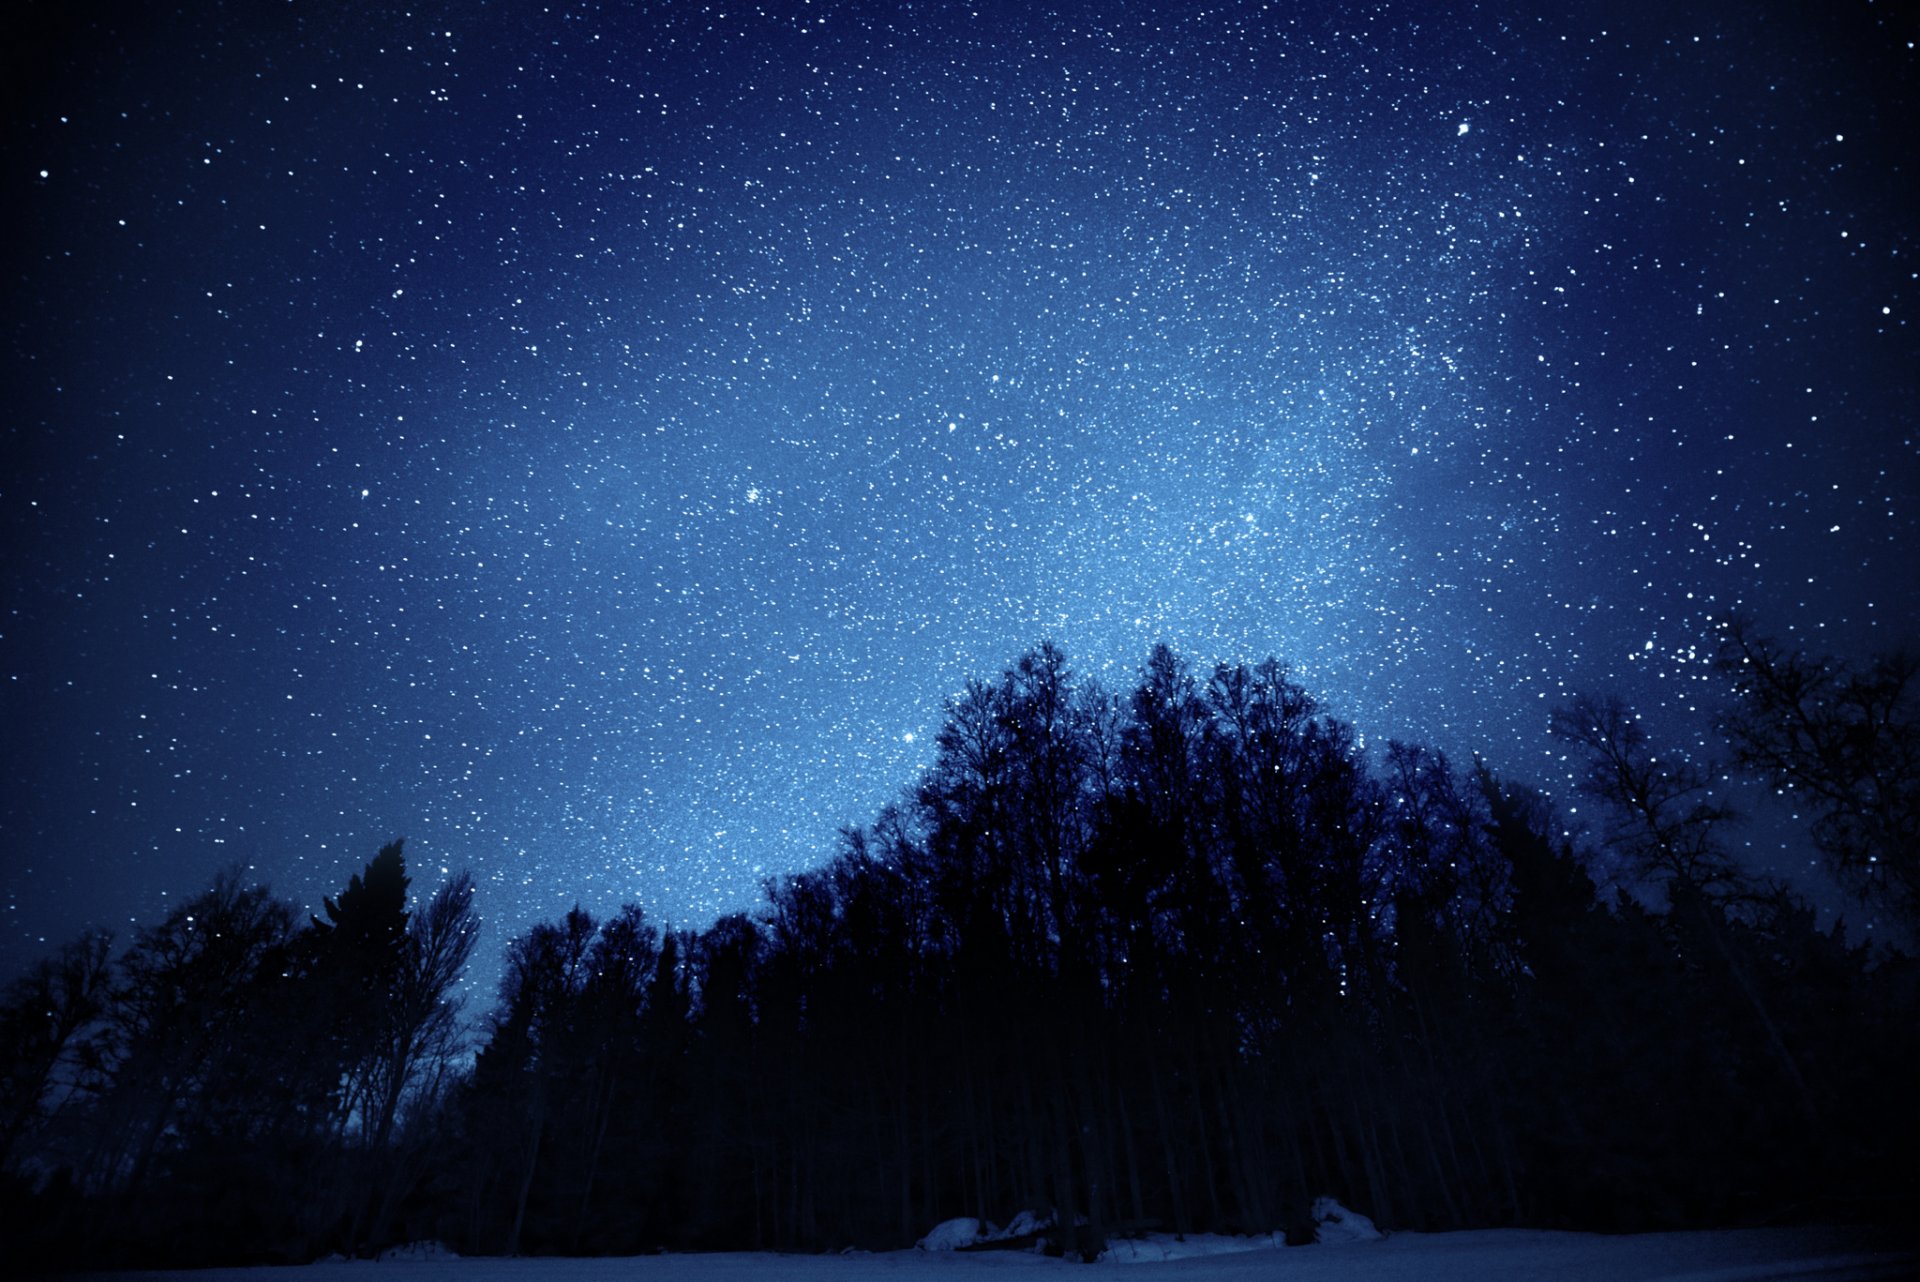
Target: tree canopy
{"points": [[1186, 955]]}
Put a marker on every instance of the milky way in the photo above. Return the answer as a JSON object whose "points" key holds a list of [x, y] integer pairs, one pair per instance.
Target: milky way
{"points": [[592, 441]]}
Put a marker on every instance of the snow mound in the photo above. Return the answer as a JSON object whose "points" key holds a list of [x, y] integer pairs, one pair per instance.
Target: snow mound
{"points": [[1336, 1224], [419, 1251], [1026, 1224], [951, 1235]]}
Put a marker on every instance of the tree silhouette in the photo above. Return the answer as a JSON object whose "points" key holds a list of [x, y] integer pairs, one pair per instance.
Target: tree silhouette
{"points": [[1187, 958], [1846, 741], [1661, 814], [44, 1016]]}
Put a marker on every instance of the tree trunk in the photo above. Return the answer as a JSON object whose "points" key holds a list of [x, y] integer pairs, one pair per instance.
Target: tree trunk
{"points": [[526, 1179]]}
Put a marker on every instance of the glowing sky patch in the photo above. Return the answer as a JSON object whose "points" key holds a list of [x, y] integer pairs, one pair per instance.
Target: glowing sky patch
{"points": [[628, 426]]}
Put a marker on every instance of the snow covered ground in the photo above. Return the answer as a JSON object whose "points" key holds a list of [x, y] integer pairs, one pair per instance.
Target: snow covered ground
{"points": [[1828, 1255]]}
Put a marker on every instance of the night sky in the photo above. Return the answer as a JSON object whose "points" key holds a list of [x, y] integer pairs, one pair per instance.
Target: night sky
{"points": [[592, 441]]}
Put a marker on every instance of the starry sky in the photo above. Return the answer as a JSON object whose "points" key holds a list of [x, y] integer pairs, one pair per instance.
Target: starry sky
{"points": [[592, 440]]}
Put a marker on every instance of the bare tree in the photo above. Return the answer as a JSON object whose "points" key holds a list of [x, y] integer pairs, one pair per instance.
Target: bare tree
{"points": [[1846, 742], [43, 1016], [178, 1019], [421, 1031], [1663, 817], [1661, 813]]}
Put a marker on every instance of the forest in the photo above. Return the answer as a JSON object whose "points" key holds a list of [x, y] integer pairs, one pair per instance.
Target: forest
{"points": [[1182, 957]]}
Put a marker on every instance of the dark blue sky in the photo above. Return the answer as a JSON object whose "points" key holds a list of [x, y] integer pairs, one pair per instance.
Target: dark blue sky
{"points": [[591, 441]]}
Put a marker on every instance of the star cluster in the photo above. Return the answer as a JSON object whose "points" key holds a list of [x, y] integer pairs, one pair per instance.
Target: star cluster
{"points": [[592, 440]]}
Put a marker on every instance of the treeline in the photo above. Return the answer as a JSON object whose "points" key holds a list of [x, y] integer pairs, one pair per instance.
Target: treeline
{"points": [[1184, 957], [238, 1085]]}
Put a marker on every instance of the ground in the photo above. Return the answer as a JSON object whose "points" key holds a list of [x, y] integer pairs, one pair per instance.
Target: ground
{"points": [[1830, 1255]]}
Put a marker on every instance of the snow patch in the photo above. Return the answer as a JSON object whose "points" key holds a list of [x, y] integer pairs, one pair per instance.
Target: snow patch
{"points": [[1336, 1224], [1729, 1255], [419, 1251], [1157, 1248], [951, 1235], [1026, 1224]]}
